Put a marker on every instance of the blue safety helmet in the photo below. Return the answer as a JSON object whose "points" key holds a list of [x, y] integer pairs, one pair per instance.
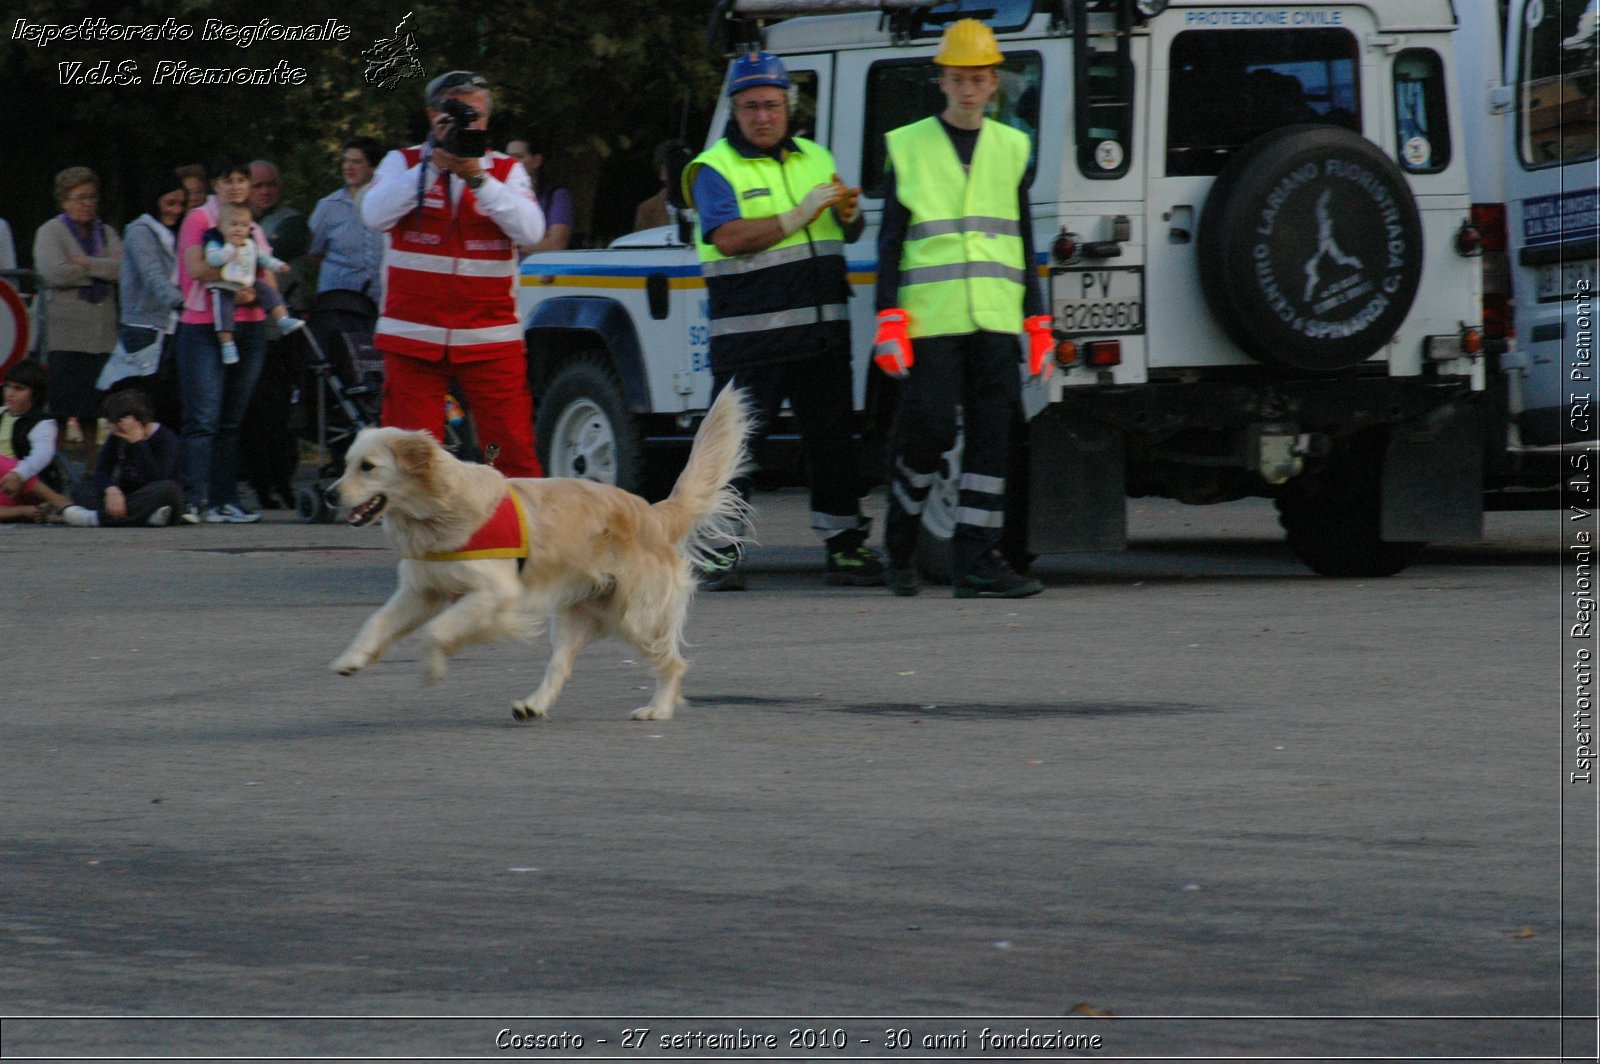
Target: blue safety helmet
{"points": [[754, 69]]}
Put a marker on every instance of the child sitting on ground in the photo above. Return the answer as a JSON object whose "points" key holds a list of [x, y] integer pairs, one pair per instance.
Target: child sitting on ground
{"points": [[28, 491], [229, 248], [136, 479]]}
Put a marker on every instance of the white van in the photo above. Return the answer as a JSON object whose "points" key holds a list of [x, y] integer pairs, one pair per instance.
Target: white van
{"points": [[1553, 215], [1255, 226]]}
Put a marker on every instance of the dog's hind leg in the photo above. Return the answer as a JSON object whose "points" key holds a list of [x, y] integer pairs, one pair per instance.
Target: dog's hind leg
{"points": [[400, 616], [670, 668], [570, 631], [653, 622]]}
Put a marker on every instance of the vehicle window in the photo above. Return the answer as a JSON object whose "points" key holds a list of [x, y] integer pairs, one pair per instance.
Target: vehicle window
{"points": [[903, 91], [1228, 87], [1001, 15], [803, 104], [1421, 120], [1556, 82], [1103, 95]]}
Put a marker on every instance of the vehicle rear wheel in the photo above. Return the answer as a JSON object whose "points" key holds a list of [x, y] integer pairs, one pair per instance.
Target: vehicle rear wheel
{"points": [[585, 430], [1333, 516]]}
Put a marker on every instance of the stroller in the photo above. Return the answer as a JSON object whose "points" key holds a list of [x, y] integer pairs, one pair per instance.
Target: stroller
{"points": [[349, 387]]}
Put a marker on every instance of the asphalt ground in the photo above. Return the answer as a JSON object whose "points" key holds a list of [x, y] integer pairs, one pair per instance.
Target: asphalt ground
{"points": [[1192, 801]]}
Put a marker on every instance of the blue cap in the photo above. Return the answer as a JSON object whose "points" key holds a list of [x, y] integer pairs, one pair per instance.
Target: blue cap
{"points": [[755, 69]]}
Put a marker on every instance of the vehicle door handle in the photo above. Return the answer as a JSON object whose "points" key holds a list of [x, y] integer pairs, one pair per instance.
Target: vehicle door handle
{"points": [[1180, 228]]}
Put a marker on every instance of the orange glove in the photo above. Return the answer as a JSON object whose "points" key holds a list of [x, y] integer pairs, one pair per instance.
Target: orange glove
{"points": [[891, 350], [1041, 345]]}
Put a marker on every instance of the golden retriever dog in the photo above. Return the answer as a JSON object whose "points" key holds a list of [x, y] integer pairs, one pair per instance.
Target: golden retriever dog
{"points": [[600, 561]]}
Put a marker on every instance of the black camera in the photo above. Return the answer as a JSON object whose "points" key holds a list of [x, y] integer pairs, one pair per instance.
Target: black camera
{"points": [[458, 139]]}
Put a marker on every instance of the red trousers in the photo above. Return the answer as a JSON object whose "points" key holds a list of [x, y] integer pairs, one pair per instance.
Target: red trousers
{"points": [[496, 391]]}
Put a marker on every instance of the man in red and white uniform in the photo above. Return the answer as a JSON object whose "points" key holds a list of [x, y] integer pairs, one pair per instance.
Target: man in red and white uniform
{"points": [[450, 276]]}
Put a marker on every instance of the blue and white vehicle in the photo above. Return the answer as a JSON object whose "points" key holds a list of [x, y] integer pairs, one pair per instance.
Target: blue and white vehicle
{"points": [[1553, 214], [1255, 227]]}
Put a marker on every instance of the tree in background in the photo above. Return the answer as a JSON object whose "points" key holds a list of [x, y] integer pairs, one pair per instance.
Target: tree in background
{"points": [[603, 82]]}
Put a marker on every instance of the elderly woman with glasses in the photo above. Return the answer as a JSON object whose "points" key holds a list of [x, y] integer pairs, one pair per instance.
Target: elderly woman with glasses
{"points": [[78, 259]]}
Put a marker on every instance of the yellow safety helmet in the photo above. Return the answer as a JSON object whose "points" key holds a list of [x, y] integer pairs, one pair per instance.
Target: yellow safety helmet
{"points": [[968, 43]]}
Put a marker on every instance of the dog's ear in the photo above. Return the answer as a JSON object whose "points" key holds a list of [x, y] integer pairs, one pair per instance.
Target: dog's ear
{"points": [[414, 452]]}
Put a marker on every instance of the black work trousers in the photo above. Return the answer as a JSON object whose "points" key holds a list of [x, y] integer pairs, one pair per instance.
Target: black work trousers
{"points": [[269, 451], [976, 373], [818, 390]]}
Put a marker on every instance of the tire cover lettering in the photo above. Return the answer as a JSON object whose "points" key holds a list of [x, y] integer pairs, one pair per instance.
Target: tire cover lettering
{"points": [[1321, 246]]}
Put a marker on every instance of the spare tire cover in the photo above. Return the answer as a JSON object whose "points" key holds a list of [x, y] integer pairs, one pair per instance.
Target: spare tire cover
{"points": [[1310, 248]]}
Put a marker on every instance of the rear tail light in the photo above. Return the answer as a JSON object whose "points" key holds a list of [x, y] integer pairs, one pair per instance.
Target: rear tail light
{"points": [[1065, 246], [1496, 317], [1490, 221], [1471, 342], [1498, 321], [1092, 353], [1103, 352]]}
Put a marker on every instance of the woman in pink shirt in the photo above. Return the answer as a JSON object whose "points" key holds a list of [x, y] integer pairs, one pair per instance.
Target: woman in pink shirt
{"points": [[216, 396]]}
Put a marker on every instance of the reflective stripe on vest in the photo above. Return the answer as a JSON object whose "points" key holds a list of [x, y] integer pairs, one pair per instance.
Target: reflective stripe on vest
{"points": [[450, 278], [787, 300], [780, 319], [961, 266], [760, 260]]}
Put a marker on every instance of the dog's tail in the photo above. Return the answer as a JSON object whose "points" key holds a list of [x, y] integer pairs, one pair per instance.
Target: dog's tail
{"points": [[704, 512]]}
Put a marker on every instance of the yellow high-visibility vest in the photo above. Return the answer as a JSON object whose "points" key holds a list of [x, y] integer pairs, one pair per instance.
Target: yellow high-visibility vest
{"points": [[783, 302], [961, 267]]}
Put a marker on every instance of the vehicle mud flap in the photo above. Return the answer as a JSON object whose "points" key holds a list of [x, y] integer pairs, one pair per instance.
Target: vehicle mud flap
{"points": [[1433, 478], [1077, 485]]}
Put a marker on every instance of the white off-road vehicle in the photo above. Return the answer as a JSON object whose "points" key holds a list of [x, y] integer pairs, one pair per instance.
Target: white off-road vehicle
{"points": [[1254, 224]]}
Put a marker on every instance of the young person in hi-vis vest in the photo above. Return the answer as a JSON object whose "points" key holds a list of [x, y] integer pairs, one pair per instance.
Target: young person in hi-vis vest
{"points": [[956, 286], [450, 274], [772, 222]]}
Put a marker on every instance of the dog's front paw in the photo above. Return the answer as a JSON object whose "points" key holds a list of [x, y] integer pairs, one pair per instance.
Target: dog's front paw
{"points": [[528, 711], [653, 713], [348, 664], [434, 663]]}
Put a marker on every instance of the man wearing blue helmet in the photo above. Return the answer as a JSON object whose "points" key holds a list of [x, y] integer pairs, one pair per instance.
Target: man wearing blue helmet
{"points": [[773, 219]]}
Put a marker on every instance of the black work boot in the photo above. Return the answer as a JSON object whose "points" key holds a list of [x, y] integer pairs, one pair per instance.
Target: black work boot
{"points": [[991, 576], [900, 540]]}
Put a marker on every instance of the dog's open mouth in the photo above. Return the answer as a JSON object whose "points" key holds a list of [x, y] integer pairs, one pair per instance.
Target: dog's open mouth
{"points": [[368, 511]]}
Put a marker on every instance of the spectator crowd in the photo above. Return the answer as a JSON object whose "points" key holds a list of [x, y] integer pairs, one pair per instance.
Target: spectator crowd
{"points": [[169, 351], [198, 314], [195, 308]]}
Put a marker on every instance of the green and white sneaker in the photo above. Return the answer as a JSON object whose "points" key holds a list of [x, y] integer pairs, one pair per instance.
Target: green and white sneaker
{"points": [[721, 571], [856, 567]]}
